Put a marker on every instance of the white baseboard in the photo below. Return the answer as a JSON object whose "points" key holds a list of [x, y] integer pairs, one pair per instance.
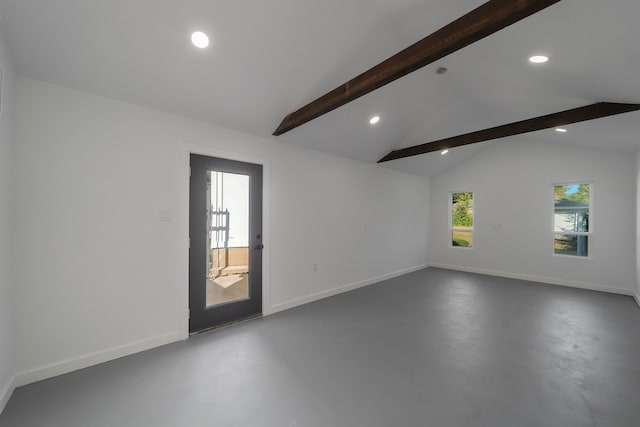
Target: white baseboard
{"points": [[637, 298], [539, 279], [6, 390], [340, 289], [63, 367]]}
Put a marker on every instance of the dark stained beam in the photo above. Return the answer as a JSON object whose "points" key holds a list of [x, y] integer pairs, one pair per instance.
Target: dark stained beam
{"points": [[487, 19], [590, 112]]}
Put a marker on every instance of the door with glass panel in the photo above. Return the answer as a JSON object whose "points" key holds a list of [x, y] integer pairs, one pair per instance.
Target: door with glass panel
{"points": [[225, 251]]}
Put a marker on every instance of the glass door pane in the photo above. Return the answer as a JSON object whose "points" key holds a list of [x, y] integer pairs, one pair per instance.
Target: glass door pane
{"points": [[227, 238]]}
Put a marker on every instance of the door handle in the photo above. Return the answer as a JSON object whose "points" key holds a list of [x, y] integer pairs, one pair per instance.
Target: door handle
{"points": [[259, 246]]}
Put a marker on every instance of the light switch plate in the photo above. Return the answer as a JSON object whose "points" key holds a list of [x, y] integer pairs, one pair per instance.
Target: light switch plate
{"points": [[165, 215]]}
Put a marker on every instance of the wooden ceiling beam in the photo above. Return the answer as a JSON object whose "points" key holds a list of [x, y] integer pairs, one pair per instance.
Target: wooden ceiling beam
{"points": [[589, 112], [487, 19]]}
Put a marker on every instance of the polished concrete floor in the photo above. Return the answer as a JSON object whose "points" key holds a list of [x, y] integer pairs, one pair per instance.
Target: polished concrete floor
{"points": [[432, 348]]}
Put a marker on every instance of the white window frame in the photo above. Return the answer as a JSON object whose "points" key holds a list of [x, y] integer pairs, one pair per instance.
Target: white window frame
{"points": [[589, 233], [452, 228]]}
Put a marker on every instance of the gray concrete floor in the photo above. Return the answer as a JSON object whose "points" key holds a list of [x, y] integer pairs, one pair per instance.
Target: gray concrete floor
{"points": [[433, 348]]}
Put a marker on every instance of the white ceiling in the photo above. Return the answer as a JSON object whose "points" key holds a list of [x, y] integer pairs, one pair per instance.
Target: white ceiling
{"points": [[272, 57]]}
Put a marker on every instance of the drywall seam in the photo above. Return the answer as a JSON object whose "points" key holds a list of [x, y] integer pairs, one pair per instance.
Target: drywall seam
{"points": [[6, 391], [341, 289], [66, 366], [539, 279]]}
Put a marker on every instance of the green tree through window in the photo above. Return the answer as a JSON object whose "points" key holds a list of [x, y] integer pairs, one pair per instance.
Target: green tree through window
{"points": [[462, 219], [574, 192]]}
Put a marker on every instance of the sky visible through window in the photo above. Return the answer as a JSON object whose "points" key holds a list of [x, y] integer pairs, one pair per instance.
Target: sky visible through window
{"points": [[571, 189]]}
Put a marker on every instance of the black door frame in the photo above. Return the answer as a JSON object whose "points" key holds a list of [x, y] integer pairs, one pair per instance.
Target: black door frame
{"points": [[201, 317]]}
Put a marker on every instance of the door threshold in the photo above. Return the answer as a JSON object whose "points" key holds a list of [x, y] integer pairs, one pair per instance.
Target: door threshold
{"points": [[225, 325]]}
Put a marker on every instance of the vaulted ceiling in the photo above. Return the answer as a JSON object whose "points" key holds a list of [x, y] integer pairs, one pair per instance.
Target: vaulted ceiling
{"points": [[269, 58]]}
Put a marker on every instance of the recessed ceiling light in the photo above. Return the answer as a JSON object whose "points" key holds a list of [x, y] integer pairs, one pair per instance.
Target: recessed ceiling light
{"points": [[561, 130], [374, 120], [539, 59], [443, 152], [200, 39]]}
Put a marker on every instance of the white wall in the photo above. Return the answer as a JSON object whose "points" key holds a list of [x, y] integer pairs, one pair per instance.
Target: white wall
{"points": [[98, 275], [6, 298], [513, 207]]}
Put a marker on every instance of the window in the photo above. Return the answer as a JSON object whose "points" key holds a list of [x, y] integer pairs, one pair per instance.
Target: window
{"points": [[572, 230], [461, 224]]}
